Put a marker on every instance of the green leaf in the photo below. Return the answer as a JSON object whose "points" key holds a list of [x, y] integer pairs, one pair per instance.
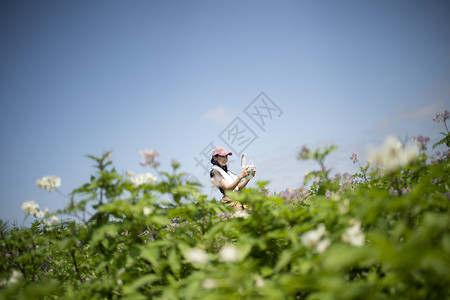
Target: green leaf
{"points": [[146, 279], [151, 253], [283, 260], [67, 243], [262, 184], [174, 261], [275, 199], [159, 220], [341, 257], [134, 296], [445, 140], [40, 289]]}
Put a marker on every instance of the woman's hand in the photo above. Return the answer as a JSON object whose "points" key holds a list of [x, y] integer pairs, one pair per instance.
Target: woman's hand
{"points": [[248, 173], [245, 172]]}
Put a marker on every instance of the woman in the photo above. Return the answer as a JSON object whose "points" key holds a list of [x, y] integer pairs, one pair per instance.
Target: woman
{"points": [[225, 180]]}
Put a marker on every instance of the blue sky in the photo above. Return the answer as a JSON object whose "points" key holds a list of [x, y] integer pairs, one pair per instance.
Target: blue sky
{"points": [[82, 77]]}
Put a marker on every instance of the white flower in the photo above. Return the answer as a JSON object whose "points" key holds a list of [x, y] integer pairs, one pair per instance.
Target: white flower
{"points": [[353, 235], [197, 256], [316, 238], [146, 210], [209, 284], [229, 253], [54, 219], [409, 154], [130, 174], [343, 206], [311, 238], [332, 195], [40, 214], [259, 281], [392, 154], [47, 211], [240, 214], [323, 245], [49, 183], [30, 207], [15, 277], [140, 179]]}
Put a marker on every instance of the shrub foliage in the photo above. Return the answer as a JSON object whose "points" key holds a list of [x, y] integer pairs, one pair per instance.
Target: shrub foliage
{"points": [[376, 234]]}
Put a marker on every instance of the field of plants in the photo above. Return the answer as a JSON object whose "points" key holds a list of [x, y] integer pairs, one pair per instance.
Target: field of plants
{"points": [[382, 233]]}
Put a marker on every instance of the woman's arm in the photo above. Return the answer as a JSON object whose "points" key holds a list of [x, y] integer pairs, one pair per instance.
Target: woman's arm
{"points": [[229, 187], [245, 181], [239, 183]]}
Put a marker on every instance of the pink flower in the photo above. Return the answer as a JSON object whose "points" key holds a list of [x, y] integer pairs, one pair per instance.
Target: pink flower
{"points": [[149, 158], [355, 158]]}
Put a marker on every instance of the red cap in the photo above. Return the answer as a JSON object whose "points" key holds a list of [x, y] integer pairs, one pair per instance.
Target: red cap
{"points": [[221, 151]]}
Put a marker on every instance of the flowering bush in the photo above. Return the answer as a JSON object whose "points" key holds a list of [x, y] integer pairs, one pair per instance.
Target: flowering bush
{"points": [[49, 183], [382, 233]]}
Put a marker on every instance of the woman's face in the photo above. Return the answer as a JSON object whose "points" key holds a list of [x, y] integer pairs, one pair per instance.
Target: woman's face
{"points": [[222, 160]]}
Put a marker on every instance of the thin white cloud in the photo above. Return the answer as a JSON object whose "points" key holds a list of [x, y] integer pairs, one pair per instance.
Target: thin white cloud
{"points": [[220, 115]]}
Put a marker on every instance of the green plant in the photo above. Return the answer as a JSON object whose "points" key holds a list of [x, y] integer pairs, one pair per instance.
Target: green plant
{"points": [[386, 236]]}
